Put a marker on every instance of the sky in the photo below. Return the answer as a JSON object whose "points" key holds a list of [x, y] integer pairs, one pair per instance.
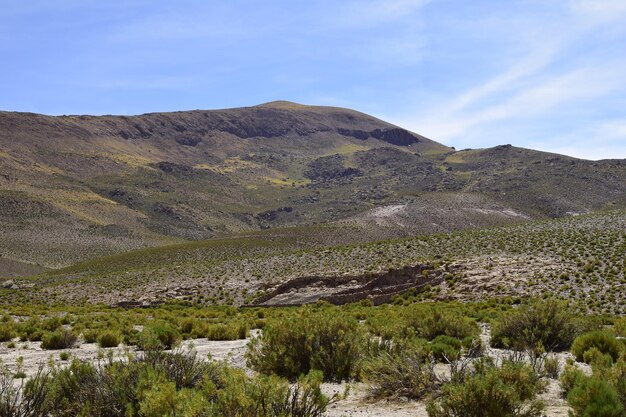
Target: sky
{"points": [[541, 74]]}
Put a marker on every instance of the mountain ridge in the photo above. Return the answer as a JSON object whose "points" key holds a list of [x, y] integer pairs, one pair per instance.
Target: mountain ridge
{"points": [[77, 187]]}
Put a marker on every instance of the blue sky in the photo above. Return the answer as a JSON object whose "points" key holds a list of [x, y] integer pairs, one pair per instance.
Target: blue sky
{"points": [[547, 74]]}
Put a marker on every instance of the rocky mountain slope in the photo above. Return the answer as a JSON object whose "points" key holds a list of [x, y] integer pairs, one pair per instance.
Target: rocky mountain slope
{"points": [[74, 188]]}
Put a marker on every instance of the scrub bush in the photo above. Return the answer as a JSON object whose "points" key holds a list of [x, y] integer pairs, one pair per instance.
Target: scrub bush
{"points": [[549, 323], [323, 340], [604, 342], [509, 390], [59, 339]]}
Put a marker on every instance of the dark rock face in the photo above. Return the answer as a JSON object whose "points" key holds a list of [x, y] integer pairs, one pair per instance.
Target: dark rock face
{"points": [[395, 136], [359, 134], [262, 123]]}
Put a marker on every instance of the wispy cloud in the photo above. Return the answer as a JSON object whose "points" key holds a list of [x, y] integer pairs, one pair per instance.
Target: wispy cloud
{"points": [[578, 85], [554, 77]]}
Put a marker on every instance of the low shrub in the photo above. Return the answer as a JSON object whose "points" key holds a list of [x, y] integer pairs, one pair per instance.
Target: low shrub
{"points": [[571, 377], [51, 324], [593, 397], [434, 323], [158, 335], [90, 336], [619, 326], [269, 396], [552, 367], [30, 329], [108, 340], [187, 326], [445, 348], [24, 399], [491, 391], [407, 374], [604, 342], [549, 323], [221, 332], [7, 332], [59, 339], [293, 345], [174, 384]]}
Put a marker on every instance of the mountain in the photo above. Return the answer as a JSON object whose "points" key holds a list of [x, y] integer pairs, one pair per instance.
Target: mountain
{"points": [[74, 188]]}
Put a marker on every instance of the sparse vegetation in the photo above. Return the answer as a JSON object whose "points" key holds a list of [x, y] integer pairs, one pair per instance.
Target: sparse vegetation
{"points": [[159, 240], [161, 384]]}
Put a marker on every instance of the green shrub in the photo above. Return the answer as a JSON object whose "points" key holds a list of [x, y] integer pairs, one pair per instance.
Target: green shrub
{"points": [[159, 335], [158, 397], [604, 342], [548, 323], [509, 390], [593, 397], [131, 336], [445, 348], [433, 323], [243, 331], [619, 326], [90, 336], [26, 402], [7, 332], [268, 396], [407, 374], [59, 339], [187, 326], [324, 340], [108, 340], [51, 324], [221, 332], [161, 384], [571, 377], [31, 329], [552, 367], [64, 356]]}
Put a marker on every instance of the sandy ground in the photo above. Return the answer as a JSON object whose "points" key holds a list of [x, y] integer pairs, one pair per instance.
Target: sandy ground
{"points": [[356, 404]]}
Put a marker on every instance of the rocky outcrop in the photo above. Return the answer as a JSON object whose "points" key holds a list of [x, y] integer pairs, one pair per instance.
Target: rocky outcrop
{"points": [[395, 136], [379, 288]]}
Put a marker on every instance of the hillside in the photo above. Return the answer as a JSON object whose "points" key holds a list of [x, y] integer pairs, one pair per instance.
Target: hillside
{"points": [[577, 257], [74, 188]]}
